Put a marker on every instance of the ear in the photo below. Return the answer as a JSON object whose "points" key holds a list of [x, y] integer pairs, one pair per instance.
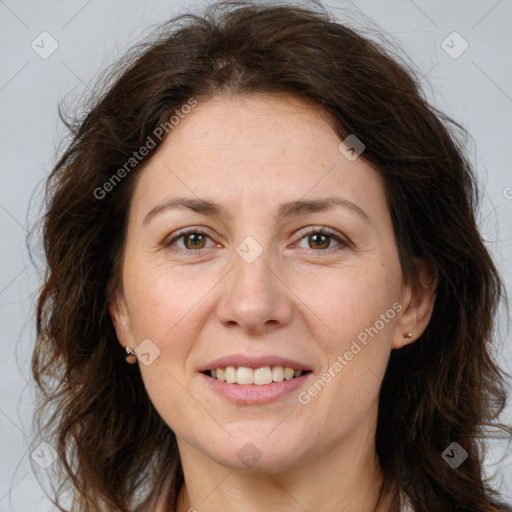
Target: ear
{"points": [[418, 303], [121, 318]]}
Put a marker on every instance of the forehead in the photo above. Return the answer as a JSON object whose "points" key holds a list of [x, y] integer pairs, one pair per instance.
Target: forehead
{"points": [[259, 148]]}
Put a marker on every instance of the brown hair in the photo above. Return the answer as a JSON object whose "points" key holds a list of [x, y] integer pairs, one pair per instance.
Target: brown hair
{"points": [[114, 449]]}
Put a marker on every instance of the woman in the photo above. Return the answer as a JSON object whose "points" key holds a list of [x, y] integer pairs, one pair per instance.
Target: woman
{"points": [[264, 217]]}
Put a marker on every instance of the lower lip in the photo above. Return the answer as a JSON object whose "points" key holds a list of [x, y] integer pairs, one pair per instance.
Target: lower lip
{"points": [[249, 394]]}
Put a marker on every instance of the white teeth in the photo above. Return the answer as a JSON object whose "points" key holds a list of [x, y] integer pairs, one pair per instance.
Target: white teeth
{"points": [[259, 376], [244, 375], [277, 373], [231, 374], [288, 374], [263, 375]]}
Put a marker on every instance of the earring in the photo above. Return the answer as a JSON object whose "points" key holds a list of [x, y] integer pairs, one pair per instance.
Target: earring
{"points": [[407, 335], [131, 356]]}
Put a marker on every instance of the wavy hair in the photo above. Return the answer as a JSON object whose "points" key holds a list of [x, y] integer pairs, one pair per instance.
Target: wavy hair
{"points": [[114, 449]]}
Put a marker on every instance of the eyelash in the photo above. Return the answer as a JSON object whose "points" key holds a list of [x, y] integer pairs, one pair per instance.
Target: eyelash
{"points": [[304, 233]]}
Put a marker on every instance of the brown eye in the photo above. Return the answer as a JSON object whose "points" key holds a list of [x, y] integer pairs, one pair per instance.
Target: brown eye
{"points": [[321, 238], [194, 240], [188, 241], [320, 241]]}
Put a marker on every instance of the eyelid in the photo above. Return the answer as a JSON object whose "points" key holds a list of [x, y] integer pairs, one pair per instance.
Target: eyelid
{"points": [[319, 229]]}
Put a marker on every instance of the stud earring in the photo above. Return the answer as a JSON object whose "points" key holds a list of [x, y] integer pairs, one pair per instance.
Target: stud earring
{"points": [[407, 335], [131, 356]]}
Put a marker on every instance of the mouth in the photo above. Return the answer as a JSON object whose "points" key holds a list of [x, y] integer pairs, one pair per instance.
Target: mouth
{"points": [[245, 375]]}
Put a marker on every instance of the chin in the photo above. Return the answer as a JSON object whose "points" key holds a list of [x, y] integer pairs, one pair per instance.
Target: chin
{"points": [[258, 455]]}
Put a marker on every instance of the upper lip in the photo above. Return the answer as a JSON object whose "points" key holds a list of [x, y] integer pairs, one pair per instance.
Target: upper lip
{"points": [[256, 361]]}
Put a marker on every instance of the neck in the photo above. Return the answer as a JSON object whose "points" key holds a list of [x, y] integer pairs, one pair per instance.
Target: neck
{"points": [[253, 498]]}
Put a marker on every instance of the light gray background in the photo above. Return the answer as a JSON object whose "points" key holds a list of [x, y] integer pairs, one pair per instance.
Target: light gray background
{"points": [[475, 89]]}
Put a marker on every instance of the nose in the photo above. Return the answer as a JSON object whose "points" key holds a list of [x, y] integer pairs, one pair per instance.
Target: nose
{"points": [[255, 297]]}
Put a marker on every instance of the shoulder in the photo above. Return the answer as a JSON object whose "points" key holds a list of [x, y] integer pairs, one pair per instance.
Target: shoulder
{"points": [[405, 504]]}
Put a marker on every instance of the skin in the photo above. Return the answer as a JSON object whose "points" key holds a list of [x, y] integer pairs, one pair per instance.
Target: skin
{"points": [[250, 154]]}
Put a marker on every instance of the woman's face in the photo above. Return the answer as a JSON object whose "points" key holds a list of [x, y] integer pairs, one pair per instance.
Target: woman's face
{"points": [[255, 280]]}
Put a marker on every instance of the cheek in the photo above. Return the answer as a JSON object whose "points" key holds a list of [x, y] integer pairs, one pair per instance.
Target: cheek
{"points": [[355, 303], [160, 299], [358, 311]]}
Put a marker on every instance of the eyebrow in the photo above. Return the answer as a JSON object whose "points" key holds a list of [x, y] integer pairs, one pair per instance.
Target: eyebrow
{"points": [[294, 208]]}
